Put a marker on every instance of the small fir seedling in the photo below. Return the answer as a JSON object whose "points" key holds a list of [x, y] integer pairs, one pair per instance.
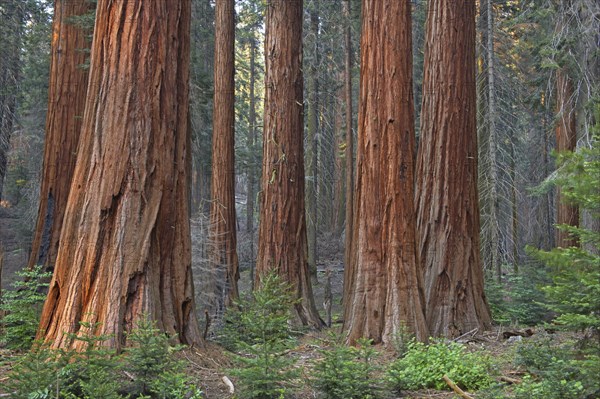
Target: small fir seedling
{"points": [[23, 305], [264, 369], [150, 360]]}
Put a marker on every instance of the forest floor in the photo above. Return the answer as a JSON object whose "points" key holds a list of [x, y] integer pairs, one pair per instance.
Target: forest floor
{"points": [[208, 365], [211, 363]]}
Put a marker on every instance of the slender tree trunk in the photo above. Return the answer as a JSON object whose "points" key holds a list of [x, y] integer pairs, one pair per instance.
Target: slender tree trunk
{"points": [[447, 200], [251, 138], [326, 158], [340, 139], [566, 140], [494, 225], [10, 68], [222, 235], [282, 231], [252, 159], [125, 245], [386, 291], [313, 146], [66, 100], [349, 153], [514, 206]]}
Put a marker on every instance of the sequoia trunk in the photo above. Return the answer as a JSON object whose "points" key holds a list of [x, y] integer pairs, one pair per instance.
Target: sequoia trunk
{"points": [[222, 236], [125, 245], [566, 140], [282, 233], [385, 293], [66, 100], [447, 203]]}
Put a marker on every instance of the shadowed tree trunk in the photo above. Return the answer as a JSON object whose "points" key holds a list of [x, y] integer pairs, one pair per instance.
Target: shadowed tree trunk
{"points": [[566, 140], [349, 154], [385, 294], [282, 232], [252, 167], [222, 236], [11, 28], [66, 100], [125, 245], [447, 203], [313, 144]]}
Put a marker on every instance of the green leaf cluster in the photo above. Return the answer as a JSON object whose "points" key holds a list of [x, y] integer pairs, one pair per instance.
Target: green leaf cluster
{"points": [[23, 305], [424, 365], [555, 371], [347, 372]]}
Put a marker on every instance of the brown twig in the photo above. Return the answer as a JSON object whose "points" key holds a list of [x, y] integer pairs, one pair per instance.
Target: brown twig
{"points": [[456, 389]]}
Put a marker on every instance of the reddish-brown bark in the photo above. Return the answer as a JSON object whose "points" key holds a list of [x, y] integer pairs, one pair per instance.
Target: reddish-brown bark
{"points": [[282, 231], [125, 245], [66, 100], [222, 236], [385, 294], [446, 199], [566, 140], [348, 276]]}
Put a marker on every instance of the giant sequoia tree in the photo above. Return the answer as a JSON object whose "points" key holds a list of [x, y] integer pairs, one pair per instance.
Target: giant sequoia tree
{"points": [[66, 99], [282, 232], [222, 235], [385, 292], [446, 200], [125, 245]]}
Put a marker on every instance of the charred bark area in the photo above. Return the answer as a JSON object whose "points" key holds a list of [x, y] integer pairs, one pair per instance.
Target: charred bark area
{"points": [[125, 245], [566, 140], [66, 100], [447, 198], [223, 236], [282, 230], [385, 293]]}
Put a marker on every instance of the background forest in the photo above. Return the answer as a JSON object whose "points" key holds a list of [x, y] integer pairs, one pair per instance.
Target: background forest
{"points": [[537, 69]]}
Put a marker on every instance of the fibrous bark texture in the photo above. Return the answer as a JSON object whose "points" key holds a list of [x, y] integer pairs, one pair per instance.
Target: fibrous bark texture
{"points": [[282, 231], [222, 234], [385, 293], [446, 198], [566, 140], [125, 246], [66, 100]]}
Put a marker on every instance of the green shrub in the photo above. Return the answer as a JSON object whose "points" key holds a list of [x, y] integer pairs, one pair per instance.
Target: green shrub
{"points": [[37, 374], [347, 372], [98, 372], [264, 370], [555, 371], [575, 290], [155, 370], [94, 372], [23, 305], [520, 298], [423, 366]]}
